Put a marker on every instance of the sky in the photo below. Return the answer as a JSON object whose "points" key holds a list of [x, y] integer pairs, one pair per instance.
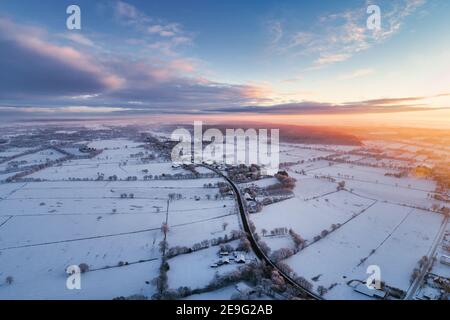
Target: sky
{"points": [[306, 60]]}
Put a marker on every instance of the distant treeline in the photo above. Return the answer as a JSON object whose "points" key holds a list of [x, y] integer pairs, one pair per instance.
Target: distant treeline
{"points": [[290, 133]]}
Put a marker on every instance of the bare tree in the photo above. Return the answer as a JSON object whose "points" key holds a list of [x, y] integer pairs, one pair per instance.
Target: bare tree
{"points": [[244, 244], [165, 228], [285, 268], [341, 186], [298, 240], [83, 267], [304, 283], [163, 245], [9, 280], [322, 290], [324, 233], [264, 247], [281, 254], [415, 274]]}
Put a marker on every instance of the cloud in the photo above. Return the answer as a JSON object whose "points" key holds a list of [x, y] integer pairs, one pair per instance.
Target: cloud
{"points": [[168, 47], [129, 14], [78, 39], [388, 105], [388, 102], [169, 30], [33, 66], [161, 87], [165, 37], [357, 74], [276, 31], [331, 58], [183, 65], [65, 109], [338, 36], [38, 72]]}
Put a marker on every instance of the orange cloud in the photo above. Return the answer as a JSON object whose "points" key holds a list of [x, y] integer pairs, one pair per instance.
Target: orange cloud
{"points": [[259, 93]]}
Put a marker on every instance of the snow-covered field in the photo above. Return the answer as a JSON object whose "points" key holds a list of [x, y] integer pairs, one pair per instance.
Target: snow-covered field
{"points": [[202, 274], [373, 175], [34, 158], [308, 218], [107, 211], [13, 152], [47, 226], [378, 221], [399, 236]]}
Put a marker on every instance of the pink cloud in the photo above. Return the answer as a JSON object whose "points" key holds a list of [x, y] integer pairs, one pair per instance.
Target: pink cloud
{"points": [[31, 38], [182, 65]]}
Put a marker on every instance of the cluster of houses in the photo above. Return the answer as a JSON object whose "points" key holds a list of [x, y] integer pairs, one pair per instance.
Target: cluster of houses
{"points": [[253, 206], [436, 288], [86, 149], [243, 173], [437, 282], [226, 257]]}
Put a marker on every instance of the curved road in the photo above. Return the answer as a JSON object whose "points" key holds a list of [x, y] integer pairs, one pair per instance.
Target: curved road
{"points": [[256, 249]]}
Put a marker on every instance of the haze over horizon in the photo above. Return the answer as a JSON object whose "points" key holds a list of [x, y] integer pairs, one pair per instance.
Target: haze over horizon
{"points": [[294, 62], [269, 152]]}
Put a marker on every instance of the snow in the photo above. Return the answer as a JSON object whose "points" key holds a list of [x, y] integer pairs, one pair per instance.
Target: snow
{"points": [[7, 189], [309, 218], [308, 187], [95, 285], [310, 166], [11, 152], [401, 196], [196, 231], [295, 155], [67, 228], [34, 158], [3, 220], [400, 236], [49, 225], [376, 212], [193, 270], [53, 224], [373, 175], [405, 247]]}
